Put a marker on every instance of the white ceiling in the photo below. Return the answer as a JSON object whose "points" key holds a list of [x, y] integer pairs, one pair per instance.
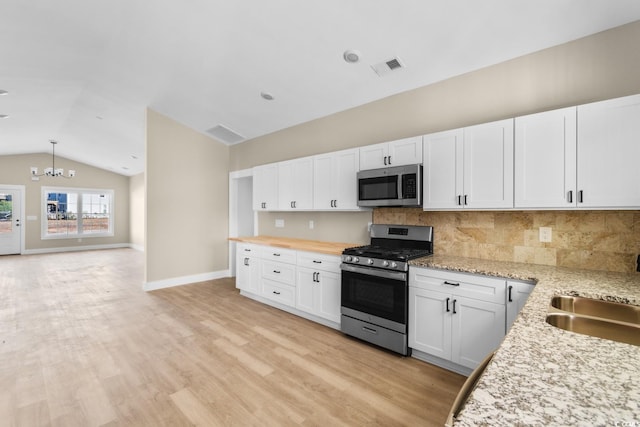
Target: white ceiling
{"points": [[83, 72]]}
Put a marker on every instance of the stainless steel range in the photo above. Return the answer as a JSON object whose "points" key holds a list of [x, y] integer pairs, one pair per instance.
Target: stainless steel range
{"points": [[375, 284]]}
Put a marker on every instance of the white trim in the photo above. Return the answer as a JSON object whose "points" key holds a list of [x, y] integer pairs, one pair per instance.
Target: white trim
{"points": [[139, 248], [76, 248], [184, 280], [233, 214]]}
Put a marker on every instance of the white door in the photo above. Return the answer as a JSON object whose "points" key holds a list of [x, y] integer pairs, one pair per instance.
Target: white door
{"points": [[545, 159], [407, 151], [10, 220], [477, 329], [430, 322], [608, 153], [442, 170], [488, 165]]}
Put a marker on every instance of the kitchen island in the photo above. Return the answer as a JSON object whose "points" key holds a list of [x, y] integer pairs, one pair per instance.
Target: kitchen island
{"points": [[543, 375]]}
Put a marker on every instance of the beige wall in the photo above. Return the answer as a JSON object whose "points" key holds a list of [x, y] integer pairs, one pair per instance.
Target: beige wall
{"points": [[15, 170], [136, 214], [186, 201], [598, 67]]}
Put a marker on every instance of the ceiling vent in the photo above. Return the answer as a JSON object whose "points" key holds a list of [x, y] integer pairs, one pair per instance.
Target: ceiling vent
{"points": [[225, 134], [384, 68]]}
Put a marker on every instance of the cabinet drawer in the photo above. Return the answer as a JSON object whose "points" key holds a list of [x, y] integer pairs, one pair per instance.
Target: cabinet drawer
{"points": [[278, 254], [490, 289], [248, 250], [279, 292], [318, 261], [278, 271]]}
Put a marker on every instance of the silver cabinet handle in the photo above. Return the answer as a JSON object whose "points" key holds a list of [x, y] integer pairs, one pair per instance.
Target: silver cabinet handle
{"points": [[246, 261], [570, 196], [580, 198], [371, 331]]}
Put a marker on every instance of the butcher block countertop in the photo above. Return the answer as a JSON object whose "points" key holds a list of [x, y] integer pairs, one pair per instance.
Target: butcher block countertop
{"points": [[330, 248], [543, 375]]}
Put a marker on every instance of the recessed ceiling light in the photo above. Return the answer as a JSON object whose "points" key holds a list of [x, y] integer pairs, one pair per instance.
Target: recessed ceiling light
{"points": [[3, 92], [267, 96], [4, 116], [351, 56], [134, 157], [99, 117], [125, 168]]}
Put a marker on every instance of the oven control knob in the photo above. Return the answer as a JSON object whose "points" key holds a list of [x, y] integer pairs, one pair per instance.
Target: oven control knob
{"points": [[348, 258], [356, 259], [369, 261], [394, 264], [385, 263]]}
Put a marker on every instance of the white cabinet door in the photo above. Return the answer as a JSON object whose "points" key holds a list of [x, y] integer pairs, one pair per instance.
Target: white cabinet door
{"points": [[247, 268], [334, 180], [488, 165], [429, 322], [443, 170], [545, 160], [477, 329], [295, 184], [328, 295], [318, 293], [305, 289], [608, 153], [265, 187], [407, 151], [374, 156], [517, 294]]}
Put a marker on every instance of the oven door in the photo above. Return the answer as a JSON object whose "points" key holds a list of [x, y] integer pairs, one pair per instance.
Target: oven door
{"points": [[375, 296]]}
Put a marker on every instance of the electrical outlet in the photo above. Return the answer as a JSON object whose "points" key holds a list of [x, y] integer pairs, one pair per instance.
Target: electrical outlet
{"points": [[545, 234], [279, 223]]}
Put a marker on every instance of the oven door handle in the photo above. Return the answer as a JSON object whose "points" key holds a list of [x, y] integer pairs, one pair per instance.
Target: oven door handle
{"points": [[393, 275]]}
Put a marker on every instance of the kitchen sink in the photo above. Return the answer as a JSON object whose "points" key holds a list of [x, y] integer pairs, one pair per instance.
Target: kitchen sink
{"points": [[620, 332], [597, 308]]}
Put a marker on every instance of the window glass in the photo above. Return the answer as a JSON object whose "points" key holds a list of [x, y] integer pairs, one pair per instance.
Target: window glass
{"points": [[77, 212], [6, 212]]}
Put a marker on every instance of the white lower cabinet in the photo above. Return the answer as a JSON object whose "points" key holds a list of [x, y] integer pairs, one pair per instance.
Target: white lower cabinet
{"points": [[303, 283], [457, 318], [517, 294], [248, 267]]}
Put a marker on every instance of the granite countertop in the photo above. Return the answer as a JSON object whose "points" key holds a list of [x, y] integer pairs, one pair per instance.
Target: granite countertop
{"points": [[543, 375], [329, 248]]}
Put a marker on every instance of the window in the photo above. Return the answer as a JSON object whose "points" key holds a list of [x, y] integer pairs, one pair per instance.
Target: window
{"points": [[74, 212]]}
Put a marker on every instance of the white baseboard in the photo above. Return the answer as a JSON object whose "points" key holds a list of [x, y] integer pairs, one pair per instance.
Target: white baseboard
{"points": [[75, 248], [139, 248], [184, 280]]}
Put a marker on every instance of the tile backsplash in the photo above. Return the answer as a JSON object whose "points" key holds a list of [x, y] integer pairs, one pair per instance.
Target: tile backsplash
{"points": [[593, 240]]}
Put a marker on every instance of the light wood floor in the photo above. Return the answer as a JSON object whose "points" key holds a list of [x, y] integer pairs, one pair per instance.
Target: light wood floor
{"points": [[83, 345]]}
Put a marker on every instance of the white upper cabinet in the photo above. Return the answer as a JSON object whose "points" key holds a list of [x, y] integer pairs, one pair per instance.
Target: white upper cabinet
{"points": [[545, 160], [443, 170], [334, 180], [405, 151], [265, 187], [469, 168], [295, 184], [608, 154]]}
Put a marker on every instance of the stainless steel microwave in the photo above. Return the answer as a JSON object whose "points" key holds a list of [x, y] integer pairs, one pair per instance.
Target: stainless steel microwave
{"points": [[392, 186]]}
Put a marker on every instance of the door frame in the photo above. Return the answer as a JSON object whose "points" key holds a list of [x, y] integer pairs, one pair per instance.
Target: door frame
{"points": [[234, 179], [21, 192]]}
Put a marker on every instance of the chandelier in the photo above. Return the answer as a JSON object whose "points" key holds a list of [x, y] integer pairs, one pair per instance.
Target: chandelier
{"points": [[52, 171]]}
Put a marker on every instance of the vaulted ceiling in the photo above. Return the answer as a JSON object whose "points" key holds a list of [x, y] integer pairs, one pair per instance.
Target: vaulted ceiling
{"points": [[84, 72]]}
